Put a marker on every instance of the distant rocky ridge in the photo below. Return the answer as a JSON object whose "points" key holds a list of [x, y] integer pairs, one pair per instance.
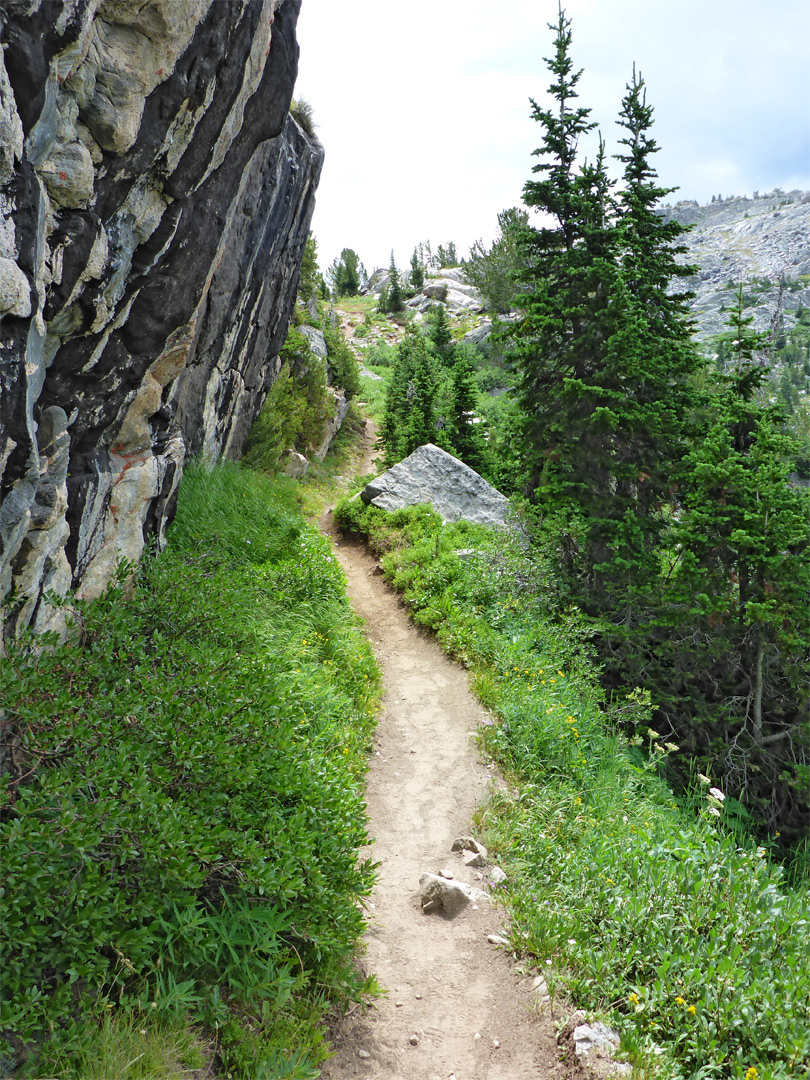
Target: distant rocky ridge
{"points": [[448, 286], [155, 198], [758, 243]]}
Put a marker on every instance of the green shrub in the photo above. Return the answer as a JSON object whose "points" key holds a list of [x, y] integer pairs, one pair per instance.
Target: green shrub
{"points": [[296, 409], [181, 827], [651, 912]]}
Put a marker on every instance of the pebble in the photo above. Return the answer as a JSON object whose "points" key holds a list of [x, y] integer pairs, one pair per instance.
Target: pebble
{"points": [[448, 874], [398, 1004], [364, 1054], [496, 939], [414, 1040], [496, 1044], [418, 997]]}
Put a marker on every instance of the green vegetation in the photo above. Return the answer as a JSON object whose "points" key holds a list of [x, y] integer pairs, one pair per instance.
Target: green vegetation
{"points": [[296, 408], [311, 284], [663, 489], [653, 911], [494, 272], [183, 813], [301, 112], [392, 296], [347, 275]]}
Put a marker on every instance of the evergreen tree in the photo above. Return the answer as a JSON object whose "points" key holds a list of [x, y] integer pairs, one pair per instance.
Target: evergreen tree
{"points": [[409, 418], [743, 368], [725, 649], [395, 301], [347, 274], [417, 271], [735, 691], [439, 332], [558, 343], [310, 281], [421, 421], [465, 433], [604, 354], [395, 413], [494, 272], [650, 245]]}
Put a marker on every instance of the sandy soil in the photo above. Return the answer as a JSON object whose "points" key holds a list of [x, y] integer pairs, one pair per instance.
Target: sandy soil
{"points": [[453, 1004]]}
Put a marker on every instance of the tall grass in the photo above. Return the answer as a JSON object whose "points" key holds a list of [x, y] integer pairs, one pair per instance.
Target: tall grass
{"points": [[181, 831], [644, 909]]}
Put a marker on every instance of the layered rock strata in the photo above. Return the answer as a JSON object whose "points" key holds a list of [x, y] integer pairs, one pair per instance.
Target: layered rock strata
{"points": [[155, 197]]}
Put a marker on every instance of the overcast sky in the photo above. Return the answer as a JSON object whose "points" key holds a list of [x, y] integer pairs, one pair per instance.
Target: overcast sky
{"points": [[423, 105]]}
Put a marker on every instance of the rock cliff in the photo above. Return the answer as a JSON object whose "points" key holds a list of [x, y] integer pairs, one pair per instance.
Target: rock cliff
{"points": [[758, 243], [155, 198]]}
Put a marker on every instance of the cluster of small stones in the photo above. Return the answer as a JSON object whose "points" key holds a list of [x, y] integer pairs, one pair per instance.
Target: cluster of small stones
{"points": [[594, 1043]]}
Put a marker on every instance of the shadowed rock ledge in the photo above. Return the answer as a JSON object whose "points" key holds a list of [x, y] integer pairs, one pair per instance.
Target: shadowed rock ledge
{"points": [[155, 198]]}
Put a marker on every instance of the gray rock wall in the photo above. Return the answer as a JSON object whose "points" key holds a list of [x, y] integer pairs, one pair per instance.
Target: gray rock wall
{"points": [[155, 198]]}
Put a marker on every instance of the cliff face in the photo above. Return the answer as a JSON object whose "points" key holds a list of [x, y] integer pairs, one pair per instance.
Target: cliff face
{"points": [[757, 243], [155, 198]]}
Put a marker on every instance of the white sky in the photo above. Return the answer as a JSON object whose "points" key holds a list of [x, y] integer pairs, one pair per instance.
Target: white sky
{"points": [[423, 105]]}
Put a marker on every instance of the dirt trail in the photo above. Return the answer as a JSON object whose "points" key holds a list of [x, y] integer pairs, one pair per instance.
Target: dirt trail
{"points": [[453, 1004]]}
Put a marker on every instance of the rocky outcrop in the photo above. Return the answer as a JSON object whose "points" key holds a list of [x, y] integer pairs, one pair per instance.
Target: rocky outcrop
{"points": [[451, 288], [431, 475], [757, 243], [155, 197], [447, 286]]}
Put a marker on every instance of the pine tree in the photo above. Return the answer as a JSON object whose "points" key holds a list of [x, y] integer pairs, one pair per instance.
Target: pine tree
{"points": [[558, 343], [735, 692], [465, 433], [493, 272], [347, 274], [417, 271], [604, 353], [395, 413], [439, 332], [395, 300], [409, 418], [310, 280]]}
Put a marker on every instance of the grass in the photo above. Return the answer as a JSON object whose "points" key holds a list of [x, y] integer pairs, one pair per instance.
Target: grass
{"points": [[357, 305], [167, 868], [650, 911], [373, 392], [135, 1047]]}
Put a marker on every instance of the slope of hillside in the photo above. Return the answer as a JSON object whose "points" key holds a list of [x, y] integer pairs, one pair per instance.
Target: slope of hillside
{"points": [[757, 243]]}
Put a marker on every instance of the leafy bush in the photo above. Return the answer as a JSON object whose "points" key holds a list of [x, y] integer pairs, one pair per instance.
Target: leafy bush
{"points": [[379, 354], [649, 910], [296, 409], [342, 360], [183, 815]]}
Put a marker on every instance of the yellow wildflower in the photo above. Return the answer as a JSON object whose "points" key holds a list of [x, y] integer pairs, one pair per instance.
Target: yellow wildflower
{"points": [[679, 1001], [751, 1074], [633, 999], [691, 1010]]}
